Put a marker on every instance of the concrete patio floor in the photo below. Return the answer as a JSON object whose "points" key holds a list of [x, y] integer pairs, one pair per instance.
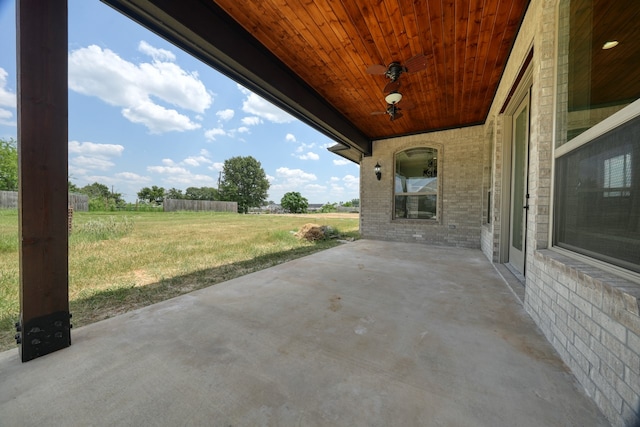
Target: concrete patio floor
{"points": [[366, 334]]}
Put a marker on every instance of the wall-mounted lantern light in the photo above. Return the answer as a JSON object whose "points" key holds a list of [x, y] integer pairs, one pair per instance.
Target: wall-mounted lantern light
{"points": [[377, 171]]}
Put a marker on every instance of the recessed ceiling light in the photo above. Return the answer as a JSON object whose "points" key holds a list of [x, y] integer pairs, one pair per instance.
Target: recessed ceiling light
{"points": [[610, 44]]}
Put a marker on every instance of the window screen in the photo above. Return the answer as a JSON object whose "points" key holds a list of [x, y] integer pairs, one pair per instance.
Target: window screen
{"points": [[598, 197]]}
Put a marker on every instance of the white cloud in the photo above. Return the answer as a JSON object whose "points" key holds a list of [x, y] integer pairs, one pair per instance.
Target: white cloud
{"points": [[334, 189], [251, 121], [167, 169], [337, 190], [243, 129], [315, 188], [126, 183], [309, 156], [89, 156], [196, 161], [315, 193], [348, 182], [225, 115], [294, 177], [92, 163], [6, 118], [77, 173], [133, 87], [91, 148], [158, 119], [344, 188], [253, 104], [217, 166], [341, 162], [174, 176], [7, 99], [102, 179], [191, 161], [212, 133], [130, 176], [351, 182], [301, 148], [290, 137], [155, 53]]}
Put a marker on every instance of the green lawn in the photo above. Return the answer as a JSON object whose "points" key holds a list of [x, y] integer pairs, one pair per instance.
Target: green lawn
{"points": [[122, 261]]}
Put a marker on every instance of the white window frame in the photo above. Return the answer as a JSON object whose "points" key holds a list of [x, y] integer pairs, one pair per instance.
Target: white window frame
{"points": [[438, 216], [612, 122]]}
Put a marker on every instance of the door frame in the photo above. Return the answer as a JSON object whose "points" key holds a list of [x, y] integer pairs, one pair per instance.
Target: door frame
{"points": [[517, 257], [523, 90]]}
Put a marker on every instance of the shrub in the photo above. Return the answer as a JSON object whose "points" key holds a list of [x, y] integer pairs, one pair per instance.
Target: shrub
{"points": [[102, 229]]}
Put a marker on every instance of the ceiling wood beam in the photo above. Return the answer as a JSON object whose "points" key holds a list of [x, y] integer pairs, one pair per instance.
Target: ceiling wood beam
{"points": [[206, 31]]}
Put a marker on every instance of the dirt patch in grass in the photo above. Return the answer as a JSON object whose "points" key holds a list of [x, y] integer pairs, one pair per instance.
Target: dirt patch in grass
{"points": [[311, 232]]}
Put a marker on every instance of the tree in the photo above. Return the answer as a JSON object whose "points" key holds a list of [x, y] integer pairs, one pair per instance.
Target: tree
{"points": [[174, 193], [244, 181], [96, 191], [154, 194], [294, 202], [8, 165], [72, 187], [328, 207], [202, 193], [100, 197]]}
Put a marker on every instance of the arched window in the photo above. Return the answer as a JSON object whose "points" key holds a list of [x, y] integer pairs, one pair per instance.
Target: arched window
{"points": [[416, 184]]}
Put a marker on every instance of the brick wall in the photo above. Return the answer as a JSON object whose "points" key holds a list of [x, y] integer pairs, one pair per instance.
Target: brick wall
{"points": [[460, 172], [491, 194], [588, 314], [592, 319]]}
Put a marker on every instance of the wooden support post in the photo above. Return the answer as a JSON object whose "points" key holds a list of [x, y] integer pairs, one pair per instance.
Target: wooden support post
{"points": [[42, 152]]}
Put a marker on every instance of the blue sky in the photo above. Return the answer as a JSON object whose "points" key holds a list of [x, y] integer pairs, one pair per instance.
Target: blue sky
{"points": [[142, 112]]}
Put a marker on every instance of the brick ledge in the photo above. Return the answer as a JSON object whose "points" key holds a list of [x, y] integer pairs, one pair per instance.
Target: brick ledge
{"points": [[617, 292]]}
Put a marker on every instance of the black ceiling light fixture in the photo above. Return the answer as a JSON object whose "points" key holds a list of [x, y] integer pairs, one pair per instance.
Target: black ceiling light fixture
{"points": [[395, 69], [377, 170], [393, 72], [394, 106]]}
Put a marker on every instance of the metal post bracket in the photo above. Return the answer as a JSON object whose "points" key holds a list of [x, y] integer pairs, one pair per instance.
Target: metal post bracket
{"points": [[44, 335]]}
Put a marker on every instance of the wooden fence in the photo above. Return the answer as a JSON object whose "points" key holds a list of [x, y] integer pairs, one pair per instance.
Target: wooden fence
{"points": [[9, 200], [172, 205], [79, 202]]}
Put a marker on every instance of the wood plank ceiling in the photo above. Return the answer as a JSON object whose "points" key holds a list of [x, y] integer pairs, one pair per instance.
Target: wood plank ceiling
{"points": [[331, 43], [311, 56]]}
